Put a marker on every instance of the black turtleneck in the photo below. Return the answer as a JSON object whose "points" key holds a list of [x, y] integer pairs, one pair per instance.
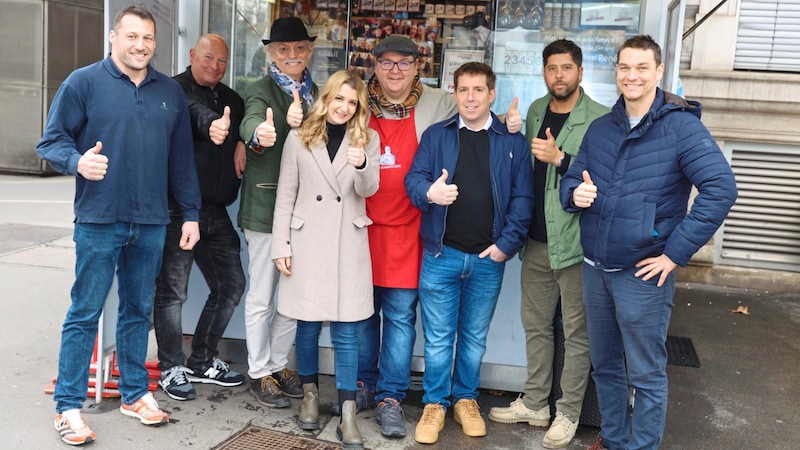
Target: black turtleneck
{"points": [[335, 137]]}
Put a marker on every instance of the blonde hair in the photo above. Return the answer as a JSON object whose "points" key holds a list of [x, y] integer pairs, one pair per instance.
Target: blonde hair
{"points": [[314, 129]]}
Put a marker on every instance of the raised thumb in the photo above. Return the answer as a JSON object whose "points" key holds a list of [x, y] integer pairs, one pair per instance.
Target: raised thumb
{"points": [[269, 117], [361, 143], [443, 178], [586, 178], [226, 113], [548, 133], [514, 103], [97, 147], [296, 95]]}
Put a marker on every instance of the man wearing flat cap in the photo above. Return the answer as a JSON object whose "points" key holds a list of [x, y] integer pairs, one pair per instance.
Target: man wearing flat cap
{"points": [[273, 106], [402, 108]]}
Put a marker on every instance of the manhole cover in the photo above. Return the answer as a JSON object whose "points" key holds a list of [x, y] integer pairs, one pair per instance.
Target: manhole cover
{"points": [[252, 438]]}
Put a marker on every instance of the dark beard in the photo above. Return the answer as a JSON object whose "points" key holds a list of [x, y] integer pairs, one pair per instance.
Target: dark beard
{"points": [[564, 96]]}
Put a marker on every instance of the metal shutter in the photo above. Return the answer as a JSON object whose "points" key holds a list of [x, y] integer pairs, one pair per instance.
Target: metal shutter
{"points": [[763, 227], [768, 36]]}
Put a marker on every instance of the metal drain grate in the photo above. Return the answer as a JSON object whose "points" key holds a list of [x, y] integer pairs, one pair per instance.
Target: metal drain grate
{"points": [[255, 438]]}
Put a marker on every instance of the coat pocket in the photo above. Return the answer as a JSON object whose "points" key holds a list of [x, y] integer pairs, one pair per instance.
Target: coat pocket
{"points": [[362, 221], [297, 223]]}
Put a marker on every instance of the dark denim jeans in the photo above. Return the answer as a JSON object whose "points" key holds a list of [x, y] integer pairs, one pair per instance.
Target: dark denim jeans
{"points": [[345, 351], [134, 252], [627, 319], [393, 338], [217, 257]]}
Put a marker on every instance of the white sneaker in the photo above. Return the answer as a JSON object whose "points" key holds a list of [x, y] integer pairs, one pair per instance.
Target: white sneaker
{"points": [[517, 412], [560, 433]]}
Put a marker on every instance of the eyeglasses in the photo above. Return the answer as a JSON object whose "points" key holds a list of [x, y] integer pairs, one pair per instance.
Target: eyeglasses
{"points": [[389, 65]]}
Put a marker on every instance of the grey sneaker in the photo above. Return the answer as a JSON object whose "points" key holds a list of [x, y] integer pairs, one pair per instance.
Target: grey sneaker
{"points": [[216, 373], [365, 399], [517, 412], [268, 393], [174, 383], [391, 418]]}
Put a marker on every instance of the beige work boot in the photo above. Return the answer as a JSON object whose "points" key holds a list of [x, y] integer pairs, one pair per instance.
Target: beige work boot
{"points": [[468, 414], [430, 424]]}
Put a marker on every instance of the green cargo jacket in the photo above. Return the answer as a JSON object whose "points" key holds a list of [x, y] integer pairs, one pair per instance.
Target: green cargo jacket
{"points": [[563, 231]]}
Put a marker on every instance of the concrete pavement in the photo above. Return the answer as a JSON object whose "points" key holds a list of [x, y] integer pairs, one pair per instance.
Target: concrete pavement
{"points": [[745, 394]]}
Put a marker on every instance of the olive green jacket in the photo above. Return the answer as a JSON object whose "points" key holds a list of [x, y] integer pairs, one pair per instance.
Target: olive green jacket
{"points": [[260, 178], [563, 231]]}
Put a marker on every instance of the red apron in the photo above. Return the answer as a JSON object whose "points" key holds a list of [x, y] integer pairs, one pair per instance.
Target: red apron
{"points": [[394, 240]]}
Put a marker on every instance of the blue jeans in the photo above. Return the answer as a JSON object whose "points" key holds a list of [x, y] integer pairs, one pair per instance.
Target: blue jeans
{"points": [[627, 320], [134, 251], [457, 293], [396, 346], [345, 351], [217, 257]]}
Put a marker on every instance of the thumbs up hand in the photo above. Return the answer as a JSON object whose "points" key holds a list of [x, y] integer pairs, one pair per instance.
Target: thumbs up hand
{"points": [[356, 156], [442, 193], [93, 165], [584, 195], [546, 150], [513, 117], [294, 116], [219, 129], [265, 131]]}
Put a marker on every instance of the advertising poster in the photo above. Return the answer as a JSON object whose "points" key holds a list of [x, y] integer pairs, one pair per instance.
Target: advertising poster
{"points": [[453, 59]]}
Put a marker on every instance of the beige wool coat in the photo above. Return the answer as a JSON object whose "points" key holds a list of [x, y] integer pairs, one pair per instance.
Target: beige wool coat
{"points": [[321, 222]]}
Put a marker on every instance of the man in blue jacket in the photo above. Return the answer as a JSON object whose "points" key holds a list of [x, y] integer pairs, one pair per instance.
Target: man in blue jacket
{"points": [[631, 182], [473, 182], [122, 129]]}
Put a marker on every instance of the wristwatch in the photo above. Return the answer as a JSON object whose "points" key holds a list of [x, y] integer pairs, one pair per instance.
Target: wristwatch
{"points": [[560, 160]]}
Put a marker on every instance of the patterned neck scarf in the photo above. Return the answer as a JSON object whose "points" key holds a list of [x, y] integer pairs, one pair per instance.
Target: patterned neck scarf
{"points": [[377, 99], [289, 85]]}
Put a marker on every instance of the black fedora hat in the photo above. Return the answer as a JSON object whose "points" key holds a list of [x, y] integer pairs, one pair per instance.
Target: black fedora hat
{"points": [[288, 29]]}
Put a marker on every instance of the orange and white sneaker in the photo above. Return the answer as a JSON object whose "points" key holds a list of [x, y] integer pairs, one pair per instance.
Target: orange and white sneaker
{"points": [[72, 428], [146, 410]]}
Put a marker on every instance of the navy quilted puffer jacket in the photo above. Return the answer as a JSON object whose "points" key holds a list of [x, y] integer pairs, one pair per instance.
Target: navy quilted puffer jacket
{"points": [[644, 177]]}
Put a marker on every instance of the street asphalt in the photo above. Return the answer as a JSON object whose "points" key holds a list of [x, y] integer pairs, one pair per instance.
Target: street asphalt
{"points": [[744, 395]]}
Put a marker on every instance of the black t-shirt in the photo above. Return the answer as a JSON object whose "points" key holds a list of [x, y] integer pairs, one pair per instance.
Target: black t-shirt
{"points": [[538, 230]]}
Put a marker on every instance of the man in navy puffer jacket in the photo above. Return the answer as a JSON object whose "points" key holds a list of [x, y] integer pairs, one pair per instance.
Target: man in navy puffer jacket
{"points": [[631, 180]]}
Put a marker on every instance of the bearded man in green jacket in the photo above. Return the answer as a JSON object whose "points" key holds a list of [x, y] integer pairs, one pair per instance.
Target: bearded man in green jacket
{"points": [[551, 266]]}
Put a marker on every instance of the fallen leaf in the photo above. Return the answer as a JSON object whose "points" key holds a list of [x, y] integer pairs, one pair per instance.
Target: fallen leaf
{"points": [[741, 310]]}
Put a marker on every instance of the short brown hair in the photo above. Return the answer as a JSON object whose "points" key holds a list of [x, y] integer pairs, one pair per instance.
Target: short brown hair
{"points": [[642, 42], [139, 11], [476, 68]]}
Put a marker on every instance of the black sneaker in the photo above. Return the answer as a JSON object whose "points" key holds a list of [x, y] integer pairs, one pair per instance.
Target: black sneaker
{"points": [[174, 383], [217, 373], [268, 393], [365, 399], [391, 418], [289, 383]]}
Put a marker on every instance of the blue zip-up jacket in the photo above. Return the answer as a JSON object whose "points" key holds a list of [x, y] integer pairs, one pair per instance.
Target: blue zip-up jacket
{"points": [[146, 135], [511, 176], [644, 177]]}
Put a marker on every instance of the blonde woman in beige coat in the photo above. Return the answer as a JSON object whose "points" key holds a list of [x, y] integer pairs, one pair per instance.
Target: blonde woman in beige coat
{"points": [[320, 245]]}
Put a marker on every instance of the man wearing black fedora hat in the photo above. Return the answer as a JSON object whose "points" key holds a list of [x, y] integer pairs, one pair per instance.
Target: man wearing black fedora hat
{"points": [[273, 106]]}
